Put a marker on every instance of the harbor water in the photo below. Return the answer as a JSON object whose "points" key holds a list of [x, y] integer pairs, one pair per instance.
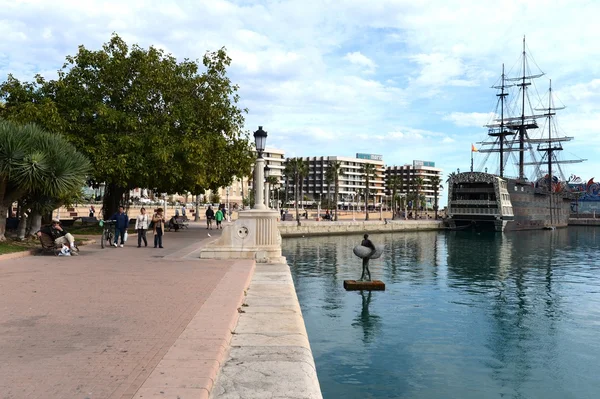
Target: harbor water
{"points": [[464, 314]]}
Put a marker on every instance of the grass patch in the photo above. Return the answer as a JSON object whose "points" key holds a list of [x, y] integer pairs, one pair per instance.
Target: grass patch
{"points": [[10, 246]]}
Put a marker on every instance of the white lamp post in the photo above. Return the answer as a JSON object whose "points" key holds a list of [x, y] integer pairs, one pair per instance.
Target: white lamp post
{"points": [[228, 211], [260, 139], [267, 188]]}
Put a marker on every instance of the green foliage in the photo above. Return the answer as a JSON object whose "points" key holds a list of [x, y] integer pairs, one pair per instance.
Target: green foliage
{"points": [[215, 198], [40, 169], [143, 118], [369, 171]]}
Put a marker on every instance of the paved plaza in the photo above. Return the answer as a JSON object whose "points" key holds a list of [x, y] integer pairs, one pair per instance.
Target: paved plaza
{"points": [[97, 325]]}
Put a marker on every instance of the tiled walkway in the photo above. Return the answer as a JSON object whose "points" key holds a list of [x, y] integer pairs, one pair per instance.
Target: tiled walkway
{"points": [[97, 325]]}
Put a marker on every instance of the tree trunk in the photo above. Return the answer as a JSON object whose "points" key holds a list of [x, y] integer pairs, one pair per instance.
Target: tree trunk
{"points": [[337, 193], [197, 215], [367, 201], [3, 213], [36, 223], [112, 200], [21, 229], [296, 201]]}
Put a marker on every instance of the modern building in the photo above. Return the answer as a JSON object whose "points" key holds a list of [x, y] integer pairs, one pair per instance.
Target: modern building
{"points": [[239, 188], [352, 182], [408, 173]]}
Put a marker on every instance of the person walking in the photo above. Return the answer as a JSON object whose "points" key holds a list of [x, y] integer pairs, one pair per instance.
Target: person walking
{"points": [[122, 221], [141, 225], [219, 218], [210, 215], [159, 227], [92, 211]]}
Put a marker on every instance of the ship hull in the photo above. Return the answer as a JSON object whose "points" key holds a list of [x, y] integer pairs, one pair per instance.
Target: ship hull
{"points": [[488, 202]]}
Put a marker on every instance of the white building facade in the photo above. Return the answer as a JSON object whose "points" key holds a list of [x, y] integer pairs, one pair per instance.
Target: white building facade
{"points": [[352, 181], [409, 172]]}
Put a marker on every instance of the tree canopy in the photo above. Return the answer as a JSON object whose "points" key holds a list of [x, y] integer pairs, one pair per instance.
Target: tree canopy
{"points": [[38, 167], [142, 117]]}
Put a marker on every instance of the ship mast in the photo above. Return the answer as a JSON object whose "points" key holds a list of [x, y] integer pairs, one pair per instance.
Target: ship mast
{"points": [[502, 133], [522, 132]]}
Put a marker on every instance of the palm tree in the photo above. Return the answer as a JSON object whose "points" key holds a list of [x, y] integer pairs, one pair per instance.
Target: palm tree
{"points": [[302, 173], [273, 181], [419, 182], [436, 183], [368, 170], [36, 163], [329, 179], [291, 172], [394, 182], [336, 171]]}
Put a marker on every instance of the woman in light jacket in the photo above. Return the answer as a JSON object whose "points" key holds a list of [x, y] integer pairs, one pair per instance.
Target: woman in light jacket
{"points": [[159, 227], [141, 225]]}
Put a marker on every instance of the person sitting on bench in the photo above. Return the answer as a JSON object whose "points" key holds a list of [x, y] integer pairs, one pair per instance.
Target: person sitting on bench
{"points": [[59, 235]]}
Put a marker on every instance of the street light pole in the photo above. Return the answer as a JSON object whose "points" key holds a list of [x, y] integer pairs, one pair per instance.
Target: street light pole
{"points": [[228, 211], [260, 138]]}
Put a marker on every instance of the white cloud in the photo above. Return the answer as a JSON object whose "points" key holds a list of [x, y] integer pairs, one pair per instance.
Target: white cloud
{"points": [[357, 58], [470, 119], [400, 77]]}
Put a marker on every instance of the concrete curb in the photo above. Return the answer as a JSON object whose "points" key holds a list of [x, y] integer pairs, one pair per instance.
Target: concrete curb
{"points": [[270, 353], [325, 228], [31, 252], [190, 366]]}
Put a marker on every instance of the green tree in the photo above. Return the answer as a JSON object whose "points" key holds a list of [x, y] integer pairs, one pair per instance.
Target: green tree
{"points": [[273, 182], [329, 179], [36, 167], [336, 172], [395, 183], [436, 183], [292, 171], [418, 184], [369, 171], [143, 118]]}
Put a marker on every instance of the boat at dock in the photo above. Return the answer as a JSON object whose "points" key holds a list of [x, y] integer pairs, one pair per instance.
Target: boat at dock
{"points": [[538, 197]]}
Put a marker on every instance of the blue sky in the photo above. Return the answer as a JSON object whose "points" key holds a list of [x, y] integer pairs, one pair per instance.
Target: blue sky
{"points": [[405, 79]]}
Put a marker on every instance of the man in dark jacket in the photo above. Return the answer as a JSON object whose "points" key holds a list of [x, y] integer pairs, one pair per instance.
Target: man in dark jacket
{"points": [[122, 221], [59, 235]]}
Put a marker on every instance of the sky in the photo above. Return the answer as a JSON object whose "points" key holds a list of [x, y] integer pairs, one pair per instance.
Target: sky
{"points": [[409, 80]]}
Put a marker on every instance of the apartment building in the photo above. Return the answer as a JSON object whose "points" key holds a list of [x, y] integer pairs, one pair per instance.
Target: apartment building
{"points": [[409, 172], [274, 161], [352, 182]]}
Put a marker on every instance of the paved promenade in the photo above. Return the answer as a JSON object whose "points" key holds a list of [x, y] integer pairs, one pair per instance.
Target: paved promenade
{"points": [[98, 325]]}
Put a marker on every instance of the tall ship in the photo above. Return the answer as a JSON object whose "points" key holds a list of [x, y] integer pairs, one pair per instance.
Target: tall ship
{"points": [[522, 133]]}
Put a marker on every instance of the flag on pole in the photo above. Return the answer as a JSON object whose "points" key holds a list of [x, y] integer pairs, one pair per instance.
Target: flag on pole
{"points": [[473, 149]]}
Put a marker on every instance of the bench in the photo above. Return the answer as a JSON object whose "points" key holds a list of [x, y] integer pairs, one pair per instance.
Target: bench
{"points": [[89, 220], [177, 223], [48, 244]]}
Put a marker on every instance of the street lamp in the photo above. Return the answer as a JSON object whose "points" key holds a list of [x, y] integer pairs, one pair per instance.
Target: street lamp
{"points": [[228, 211], [267, 188], [260, 139]]}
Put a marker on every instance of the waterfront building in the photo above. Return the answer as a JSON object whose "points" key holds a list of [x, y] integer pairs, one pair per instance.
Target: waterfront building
{"points": [[352, 182], [408, 173], [239, 188]]}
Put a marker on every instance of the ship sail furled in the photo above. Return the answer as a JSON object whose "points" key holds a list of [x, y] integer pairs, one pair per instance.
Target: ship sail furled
{"points": [[514, 130]]}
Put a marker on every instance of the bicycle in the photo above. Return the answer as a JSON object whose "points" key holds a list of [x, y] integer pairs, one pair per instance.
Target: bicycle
{"points": [[108, 234]]}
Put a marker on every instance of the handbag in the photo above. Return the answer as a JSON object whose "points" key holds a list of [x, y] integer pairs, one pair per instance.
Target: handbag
{"points": [[125, 236]]}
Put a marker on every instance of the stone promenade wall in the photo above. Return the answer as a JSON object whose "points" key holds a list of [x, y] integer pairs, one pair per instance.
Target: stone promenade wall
{"points": [[325, 228], [584, 222]]}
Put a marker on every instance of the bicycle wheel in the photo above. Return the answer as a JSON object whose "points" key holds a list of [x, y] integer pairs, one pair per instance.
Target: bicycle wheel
{"points": [[102, 239]]}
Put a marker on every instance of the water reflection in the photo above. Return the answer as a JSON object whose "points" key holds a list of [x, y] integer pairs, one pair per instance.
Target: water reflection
{"points": [[463, 315], [367, 321]]}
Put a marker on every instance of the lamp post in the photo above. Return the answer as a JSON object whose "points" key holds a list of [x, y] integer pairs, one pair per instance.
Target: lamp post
{"points": [[260, 139], [353, 206], [319, 208], [228, 211], [267, 201]]}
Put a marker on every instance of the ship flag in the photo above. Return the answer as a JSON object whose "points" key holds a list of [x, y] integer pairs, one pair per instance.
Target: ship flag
{"points": [[473, 149]]}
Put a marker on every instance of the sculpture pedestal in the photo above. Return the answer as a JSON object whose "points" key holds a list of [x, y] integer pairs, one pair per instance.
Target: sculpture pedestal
{"points": [[355, 285], [254, 235]]}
